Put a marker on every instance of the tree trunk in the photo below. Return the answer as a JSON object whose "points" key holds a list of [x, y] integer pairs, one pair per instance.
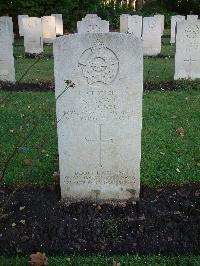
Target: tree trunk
{"points": [[138, 4], [131, 4]]}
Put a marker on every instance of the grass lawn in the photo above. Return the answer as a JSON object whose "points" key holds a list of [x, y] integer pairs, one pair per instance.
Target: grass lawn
{"points": [[167, 157], [155, 69]]}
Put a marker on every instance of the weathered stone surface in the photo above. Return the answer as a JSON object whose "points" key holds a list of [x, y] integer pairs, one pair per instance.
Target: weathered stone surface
{"points": [[92, 24], [33, 40], [9, 22], [7, 69], [90, 17], [20, 24], [59, 24], [161, 19], [192, 17], [49, 29], [151, 36], [131, 24], [99, 85], [124, 23], [187, 58], [135, 25], [174, 21]]}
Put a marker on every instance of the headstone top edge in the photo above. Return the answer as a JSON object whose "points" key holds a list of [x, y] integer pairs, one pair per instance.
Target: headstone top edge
{"points": [[107, 34], [188, 22]]}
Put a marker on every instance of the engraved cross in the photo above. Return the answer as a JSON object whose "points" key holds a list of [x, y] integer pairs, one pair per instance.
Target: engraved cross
{"points": [[100, 141], [190, 60]]}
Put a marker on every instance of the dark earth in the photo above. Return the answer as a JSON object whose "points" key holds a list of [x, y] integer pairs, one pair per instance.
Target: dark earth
{"points": [[160, 56], [49, 86], [164, 221], [43, 55], [43, 86]]}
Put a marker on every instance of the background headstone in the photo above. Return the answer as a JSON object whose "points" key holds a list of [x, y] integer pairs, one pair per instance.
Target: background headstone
{"points": [[131, 24], [49, 29], [99, 84], [174, 21], [33, 40], [151, 36], [9, 22], [20, 24], [7, 69], [161, 18], [187, 58], [192, 17], [89, 17], [92, 24], [59, 24], [124, 23], [135, 25]]}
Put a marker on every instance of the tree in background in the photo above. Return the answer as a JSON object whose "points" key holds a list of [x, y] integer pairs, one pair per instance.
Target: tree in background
{"points": [[179, 6], [107, 9], [138, 4]]}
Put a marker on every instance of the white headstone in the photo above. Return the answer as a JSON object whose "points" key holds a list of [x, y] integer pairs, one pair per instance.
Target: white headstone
{"points": [[151, 36], [59, 24], [91, 17], [92, 24], [131, 24], [135, 25], [33, 40], [192, 17], [49, 29], [9, 21], [187, 58], [124, 23], [174, 21], [100, 115], [161, 19], [7, 69], [20, 24]]}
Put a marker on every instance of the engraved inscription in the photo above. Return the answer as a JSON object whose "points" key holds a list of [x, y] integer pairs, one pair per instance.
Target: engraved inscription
{"points": [[3, 26], [192, 31], [32, 24], [105, 101], [100, 141], [99, 64], [93, 28], [152, 24], [192, 47], [101, 177]]}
